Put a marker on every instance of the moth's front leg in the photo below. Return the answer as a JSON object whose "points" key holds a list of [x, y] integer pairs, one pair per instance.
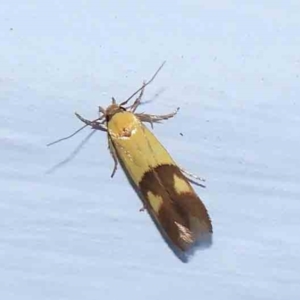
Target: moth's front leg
{"points": [[94, 124]]}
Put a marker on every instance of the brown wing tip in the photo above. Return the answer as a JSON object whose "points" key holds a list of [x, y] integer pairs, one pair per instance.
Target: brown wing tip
{"points": [[187, 254], [201, 243]]}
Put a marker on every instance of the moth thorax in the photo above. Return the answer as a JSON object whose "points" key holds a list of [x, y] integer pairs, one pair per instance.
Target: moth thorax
{"points": [[112, 110]]}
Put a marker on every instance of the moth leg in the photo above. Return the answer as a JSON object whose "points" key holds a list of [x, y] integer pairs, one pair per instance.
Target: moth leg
{"points": [[114, 156], [93, 124], [137, 101], [156, 118], [143, 208], [193, 178]]}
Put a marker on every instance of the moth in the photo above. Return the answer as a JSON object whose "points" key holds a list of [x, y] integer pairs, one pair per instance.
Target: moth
{"points": [[164, 188]]}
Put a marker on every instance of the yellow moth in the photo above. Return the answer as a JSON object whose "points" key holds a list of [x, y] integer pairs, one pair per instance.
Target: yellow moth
{"points": [[163, 187]]}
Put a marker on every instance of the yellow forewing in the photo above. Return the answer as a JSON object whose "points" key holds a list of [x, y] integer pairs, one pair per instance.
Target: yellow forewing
{"points": [[137, 148]]}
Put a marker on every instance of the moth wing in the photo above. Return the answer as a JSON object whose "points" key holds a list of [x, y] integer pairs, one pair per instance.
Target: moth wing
{"points": [[173, 204]]}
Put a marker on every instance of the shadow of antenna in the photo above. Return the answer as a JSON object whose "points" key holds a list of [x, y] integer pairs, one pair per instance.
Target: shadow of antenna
{"points": [[72, 155]]}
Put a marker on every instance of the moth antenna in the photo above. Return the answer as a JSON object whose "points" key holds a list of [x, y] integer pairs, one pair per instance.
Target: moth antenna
{"points": [[67, 137], [74, 133], [144, 85]]}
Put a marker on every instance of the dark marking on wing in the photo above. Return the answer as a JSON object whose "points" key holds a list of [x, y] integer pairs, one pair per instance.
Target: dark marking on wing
{"points": [[182, 215]]}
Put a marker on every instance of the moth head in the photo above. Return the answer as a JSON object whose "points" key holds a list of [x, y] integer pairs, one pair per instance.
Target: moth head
{"points": [[111, 110]]}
